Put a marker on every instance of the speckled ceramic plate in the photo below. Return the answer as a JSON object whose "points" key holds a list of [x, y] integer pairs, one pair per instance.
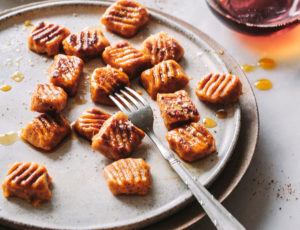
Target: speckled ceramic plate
{"points": [[81, 198]]}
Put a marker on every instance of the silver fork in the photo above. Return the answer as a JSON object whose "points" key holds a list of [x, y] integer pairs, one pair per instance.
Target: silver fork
{"points": [[140, 113]]}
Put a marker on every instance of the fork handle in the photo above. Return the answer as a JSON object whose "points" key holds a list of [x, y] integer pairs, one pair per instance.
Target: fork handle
{"points": [[221, 218]]}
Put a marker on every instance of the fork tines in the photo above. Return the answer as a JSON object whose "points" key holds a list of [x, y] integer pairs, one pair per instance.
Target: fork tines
{"points": [[128, 100]]}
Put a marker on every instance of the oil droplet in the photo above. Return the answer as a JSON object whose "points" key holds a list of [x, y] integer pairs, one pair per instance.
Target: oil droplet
{"points": [[80, 100], [221, 52], [267, 63], [209, 123], [17, 76], [27, 23], [139, 92], [221, 113], [248, 68], [9, 138], [263, 84], [5, 88]]}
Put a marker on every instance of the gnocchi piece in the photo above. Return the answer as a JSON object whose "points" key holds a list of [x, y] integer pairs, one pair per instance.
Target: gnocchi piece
{"points": [[177, 109], [191, 142], [47, 38], [46, 131], [128, 176], [90, 122], [48, 98], [28, 181], [219, 88], [65, 72], [85, 44], [117, 137], [125, 17], [165, 77], [124, 56], [161, 47], [106, 81]]}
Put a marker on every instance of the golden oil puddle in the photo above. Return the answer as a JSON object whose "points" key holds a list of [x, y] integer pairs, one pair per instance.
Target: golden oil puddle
{"points": [[17, 76], [263, 84], [267, 63], [27, 23], [5, 88], [248, 68], [209, 123], [9, 138], [221, 113]]}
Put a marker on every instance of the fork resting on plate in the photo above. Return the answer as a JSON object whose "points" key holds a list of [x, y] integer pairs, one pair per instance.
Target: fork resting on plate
{"points": [[140, 114]]}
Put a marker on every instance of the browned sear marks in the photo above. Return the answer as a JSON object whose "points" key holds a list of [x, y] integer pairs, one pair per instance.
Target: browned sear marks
{"points": [[65, 72], [85, 44], [220, 88], [125, 17], [117, 137], [90, 122], [161, 47], [46, 131], [48, 98], [128, 176], [177, 109], [191, 142], [165, 77], [28, 181], [125, 56], [47, 38], [106, 81]]}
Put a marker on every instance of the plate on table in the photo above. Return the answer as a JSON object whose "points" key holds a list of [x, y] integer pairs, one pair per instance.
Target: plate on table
{"points": [[80, 196]]}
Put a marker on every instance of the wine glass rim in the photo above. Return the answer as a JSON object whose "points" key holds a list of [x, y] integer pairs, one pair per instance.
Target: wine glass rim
{"points": [[212, 4]]}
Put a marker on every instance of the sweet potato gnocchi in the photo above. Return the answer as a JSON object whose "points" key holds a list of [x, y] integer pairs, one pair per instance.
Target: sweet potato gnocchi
{"points": [[90, 122], [219, 88], [65, 72], [28, 181], [117, 137], [128, 176], [161, 47], [48, 98], [124, 56], [46, 131], [47, 38], [165, 77], [106, 81], [85, 44], [191, 142], [125, 17], [177, 109]]}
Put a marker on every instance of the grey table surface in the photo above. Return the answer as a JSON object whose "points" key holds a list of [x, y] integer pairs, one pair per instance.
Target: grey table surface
{"points": [[268, 195]]}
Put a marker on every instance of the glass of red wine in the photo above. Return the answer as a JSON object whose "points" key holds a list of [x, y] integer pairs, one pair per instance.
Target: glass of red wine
{"points": [[256, 16]]}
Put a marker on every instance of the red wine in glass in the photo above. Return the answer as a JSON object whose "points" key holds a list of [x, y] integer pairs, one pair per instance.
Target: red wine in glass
{"points": [[256, 16]]}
